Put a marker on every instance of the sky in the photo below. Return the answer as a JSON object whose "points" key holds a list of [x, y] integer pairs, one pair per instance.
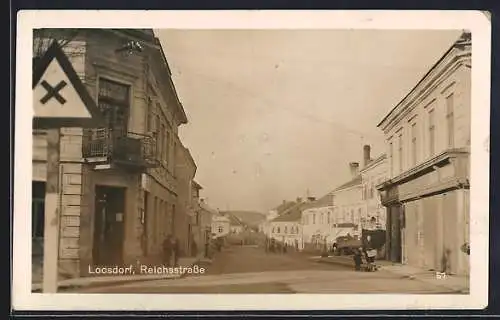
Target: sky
{"points": [[279, 114]]}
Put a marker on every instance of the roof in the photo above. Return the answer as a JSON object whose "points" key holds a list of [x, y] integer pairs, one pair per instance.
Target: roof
{"points": [[354, 182], [463, 38], [248, 218], [196, 185], [284, 206], [233, 220], [292, 214], [374, 161], [325, 201]]}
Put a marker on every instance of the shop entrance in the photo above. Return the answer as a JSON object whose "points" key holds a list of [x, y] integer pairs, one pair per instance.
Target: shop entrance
{"points": [[109, 225]]}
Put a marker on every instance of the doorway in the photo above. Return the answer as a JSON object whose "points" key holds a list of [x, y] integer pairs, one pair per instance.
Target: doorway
{"points": [[109, 225]]}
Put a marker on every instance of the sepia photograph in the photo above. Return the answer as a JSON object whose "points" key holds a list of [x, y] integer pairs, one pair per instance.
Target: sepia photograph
{"points": [[239, 157]]}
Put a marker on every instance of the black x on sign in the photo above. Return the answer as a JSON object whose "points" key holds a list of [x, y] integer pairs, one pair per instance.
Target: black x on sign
{"points": [[53, 92], [60, 98]]}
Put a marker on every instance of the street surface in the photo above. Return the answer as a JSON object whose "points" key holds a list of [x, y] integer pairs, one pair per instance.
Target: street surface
{"points": [[252, 270]]}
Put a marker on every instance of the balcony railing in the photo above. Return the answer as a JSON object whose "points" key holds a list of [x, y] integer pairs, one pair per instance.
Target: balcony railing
{"points": [[132, 150]]}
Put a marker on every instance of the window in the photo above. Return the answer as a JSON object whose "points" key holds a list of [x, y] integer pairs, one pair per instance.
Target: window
{"points": [[286, 229], [391, 157], [145, 221], [322, 219], [150, 117], [174, 156], [400, 151], [450, 121], [221, 229], [37, 209], [174, 218], [432, 132], [159, 136], [414, 144], [164, 137], [278, 230], [328, 218], [314, 218], [155, 220], [372, 189], [114, 103], [167, 146]]}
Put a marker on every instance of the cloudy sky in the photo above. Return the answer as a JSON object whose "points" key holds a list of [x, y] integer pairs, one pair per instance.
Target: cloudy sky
{"points": [[274, 113]]}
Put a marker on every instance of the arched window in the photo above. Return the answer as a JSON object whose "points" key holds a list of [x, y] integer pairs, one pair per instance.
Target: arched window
{"points": [[278, 230]]}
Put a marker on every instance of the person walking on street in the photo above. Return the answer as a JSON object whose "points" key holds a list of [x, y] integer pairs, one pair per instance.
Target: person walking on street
{"points": [[167, 250], [175, 250], [357, 259]]}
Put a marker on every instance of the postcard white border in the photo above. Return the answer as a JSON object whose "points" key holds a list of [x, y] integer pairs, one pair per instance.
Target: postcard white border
{"points": [[475, 21]]}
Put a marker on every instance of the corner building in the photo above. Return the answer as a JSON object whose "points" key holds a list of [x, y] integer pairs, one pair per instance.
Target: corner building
{"points": [[119, 184]]}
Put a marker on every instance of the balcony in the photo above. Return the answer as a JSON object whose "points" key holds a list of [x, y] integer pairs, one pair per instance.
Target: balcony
{"points": [[133, 151]]}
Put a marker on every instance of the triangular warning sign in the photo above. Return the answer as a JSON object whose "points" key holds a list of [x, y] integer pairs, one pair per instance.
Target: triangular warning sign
{"points": [[60, 99]]}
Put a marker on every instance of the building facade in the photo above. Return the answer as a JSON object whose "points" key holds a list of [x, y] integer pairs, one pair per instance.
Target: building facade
{"points": [[349, 208], [202, 224], [287, 228], [428, 148], [220, 226], [119, 190], [184, 220], [264, 226], [317, 223], [372, 174], [349, 202]]}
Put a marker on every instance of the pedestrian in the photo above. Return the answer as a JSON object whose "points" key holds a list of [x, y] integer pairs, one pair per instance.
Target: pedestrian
{"points": [[357, 259], [175, 250], [194, 249], [167, 250]]}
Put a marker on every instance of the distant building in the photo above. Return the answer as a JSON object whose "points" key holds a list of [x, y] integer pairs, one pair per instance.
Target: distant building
{"points": [[264, 226], [220, 226], [317, 222], [287, 228], [374, 172], [349, 205], [236, 226], [428, 146], [202, 222], [348, 208]]}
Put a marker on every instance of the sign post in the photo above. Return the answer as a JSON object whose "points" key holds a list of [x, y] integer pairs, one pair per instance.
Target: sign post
{"points": [[60, 100], [51, 232]]}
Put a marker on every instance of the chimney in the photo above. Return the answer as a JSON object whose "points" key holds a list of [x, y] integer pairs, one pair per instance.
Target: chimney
{"points": [[354, 166], [366, 155]]}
